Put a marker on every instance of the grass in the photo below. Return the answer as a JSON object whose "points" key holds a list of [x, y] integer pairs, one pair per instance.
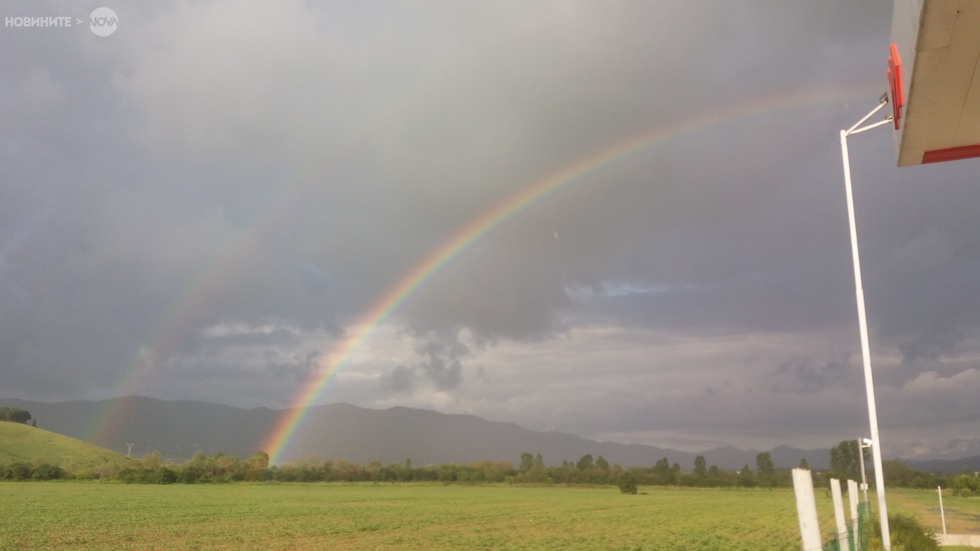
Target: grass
{"points": [[20, 442], [104, 516], [962, 513]]}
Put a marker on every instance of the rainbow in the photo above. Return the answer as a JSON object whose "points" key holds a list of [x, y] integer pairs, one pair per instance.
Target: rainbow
{"points": [[175, 327], [292, 418]]}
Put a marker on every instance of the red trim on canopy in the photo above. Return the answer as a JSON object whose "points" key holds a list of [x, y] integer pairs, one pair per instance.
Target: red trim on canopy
{"points": [[895, 84], [951, 154]]}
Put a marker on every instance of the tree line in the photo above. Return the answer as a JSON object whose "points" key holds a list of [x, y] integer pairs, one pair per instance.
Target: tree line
{"points": [[531, 469], [220, 468]]}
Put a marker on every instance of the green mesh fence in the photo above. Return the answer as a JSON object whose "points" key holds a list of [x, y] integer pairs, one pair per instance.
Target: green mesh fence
{"points": [[856, 540]]}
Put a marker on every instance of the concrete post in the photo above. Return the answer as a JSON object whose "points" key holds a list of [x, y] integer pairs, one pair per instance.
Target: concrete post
{"points": [[839, 519], [852, 497], [806, 510]]}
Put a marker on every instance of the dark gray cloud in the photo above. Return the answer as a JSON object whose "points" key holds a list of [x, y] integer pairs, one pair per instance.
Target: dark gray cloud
{"points": [[803, 376], [214, 196], [401, 379], [440, 363], [298, 367]]}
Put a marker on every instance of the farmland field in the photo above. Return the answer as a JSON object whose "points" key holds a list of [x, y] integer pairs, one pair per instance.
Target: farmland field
{"points": [[962, 513], [51, 515], [92, 515]]}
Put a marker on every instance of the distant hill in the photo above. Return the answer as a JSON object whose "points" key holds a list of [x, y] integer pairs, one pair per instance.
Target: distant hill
{"points": [[178, 429], [957, 449], [20, 442], [948, 466]]}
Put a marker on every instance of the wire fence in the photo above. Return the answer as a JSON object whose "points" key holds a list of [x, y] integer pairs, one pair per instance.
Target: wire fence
{"points": [[858, 533], [851, 532]]}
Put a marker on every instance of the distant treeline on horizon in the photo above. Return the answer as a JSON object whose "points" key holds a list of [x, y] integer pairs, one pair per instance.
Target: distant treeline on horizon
{"points": [[221, 468]]}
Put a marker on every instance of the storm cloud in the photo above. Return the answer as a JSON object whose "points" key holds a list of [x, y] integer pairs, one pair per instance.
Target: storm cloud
{"points": [[215, 196]]}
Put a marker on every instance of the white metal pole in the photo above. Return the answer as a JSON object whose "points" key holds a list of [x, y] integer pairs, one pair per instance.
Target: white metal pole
{"points": [[864, 478], [942, 512], [865, 347]]}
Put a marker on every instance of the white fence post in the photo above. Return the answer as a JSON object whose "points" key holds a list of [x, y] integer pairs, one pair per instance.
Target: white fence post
{"points": [[852, 497], [806, 510], [839, 513]]}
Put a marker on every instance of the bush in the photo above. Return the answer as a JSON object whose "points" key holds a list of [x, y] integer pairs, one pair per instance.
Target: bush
{"points": [[189, 475], [627, 483], [166, 476], [18, 470], [906, 535], [44, 471]]}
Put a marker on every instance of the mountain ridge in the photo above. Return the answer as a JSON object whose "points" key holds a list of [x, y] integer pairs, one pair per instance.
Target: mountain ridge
{"points": [[180, 428]]}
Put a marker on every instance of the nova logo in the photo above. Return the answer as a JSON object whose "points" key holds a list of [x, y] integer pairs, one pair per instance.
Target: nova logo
{"points": [[103, 21]]}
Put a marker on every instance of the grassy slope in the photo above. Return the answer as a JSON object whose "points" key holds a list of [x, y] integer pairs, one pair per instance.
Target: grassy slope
{"points": [[19, 442]]}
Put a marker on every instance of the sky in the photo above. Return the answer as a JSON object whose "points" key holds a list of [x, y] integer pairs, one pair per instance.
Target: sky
{"points": [[206, 204]]}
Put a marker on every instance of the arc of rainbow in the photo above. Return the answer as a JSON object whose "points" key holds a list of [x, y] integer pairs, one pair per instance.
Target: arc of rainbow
{"points": [[175, 324], [292, 418]]}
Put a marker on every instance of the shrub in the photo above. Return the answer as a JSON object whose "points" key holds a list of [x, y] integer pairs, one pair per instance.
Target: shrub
{"points": [[167, 476], [906, 535], [18, 470], [45, 471], [189, 475], [627, 483]]}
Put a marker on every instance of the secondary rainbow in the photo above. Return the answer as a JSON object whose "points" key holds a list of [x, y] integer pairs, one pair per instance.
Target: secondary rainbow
{"points": [[179, 321], [292, 418]]}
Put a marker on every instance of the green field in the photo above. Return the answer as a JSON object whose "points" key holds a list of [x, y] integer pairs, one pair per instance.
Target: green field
{"points": [[962, 513], [93, 515], [73, 515]]}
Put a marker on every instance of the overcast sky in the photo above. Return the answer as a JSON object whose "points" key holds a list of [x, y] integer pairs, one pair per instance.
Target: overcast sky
{"points": [[202, 204]]}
